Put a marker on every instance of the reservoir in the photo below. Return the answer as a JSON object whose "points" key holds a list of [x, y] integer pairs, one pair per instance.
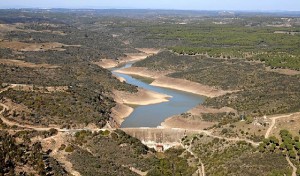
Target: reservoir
{"points": [[153, 115]]}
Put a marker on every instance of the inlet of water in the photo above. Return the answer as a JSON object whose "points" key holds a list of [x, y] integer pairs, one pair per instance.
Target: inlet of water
{"points": [[153, 115]]}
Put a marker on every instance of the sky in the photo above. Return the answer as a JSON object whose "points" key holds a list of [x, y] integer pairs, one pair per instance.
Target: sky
{"points": [[244, 5]]}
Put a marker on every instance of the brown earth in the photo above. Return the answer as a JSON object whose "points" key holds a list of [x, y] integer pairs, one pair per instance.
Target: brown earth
{"points": [[174, 83], [27, 87], [142, 97], [186, 123], [283, 71], [130, 57], [142, 71], [194, 121], [120, 112], [21, 46], [200, 109], [20, 27], [189, 86], [21, 63]]}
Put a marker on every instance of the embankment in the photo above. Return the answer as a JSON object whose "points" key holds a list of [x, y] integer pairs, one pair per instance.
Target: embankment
{"points": [[162, 80]]}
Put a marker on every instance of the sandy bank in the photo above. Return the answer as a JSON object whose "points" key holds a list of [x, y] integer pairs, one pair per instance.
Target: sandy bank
{"points": [[130, 57], [200, 109], [149, 50], [174, 83], [188, 86], [186, 123], [120, 112], [142, 97], [121, 79], [194, 120], [142, 71]]}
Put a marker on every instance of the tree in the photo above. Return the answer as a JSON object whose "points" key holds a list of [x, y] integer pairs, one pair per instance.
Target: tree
{"points": [[274, 140], [296, 138], [292, 154]]}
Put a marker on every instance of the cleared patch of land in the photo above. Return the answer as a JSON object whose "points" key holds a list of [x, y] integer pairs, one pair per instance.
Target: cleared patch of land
{"points": [[20, 27], [143, 72], [283, 71], [186, 123], [21, 63], [49, 89], [200, 109], [21, 46], [290, 123]]}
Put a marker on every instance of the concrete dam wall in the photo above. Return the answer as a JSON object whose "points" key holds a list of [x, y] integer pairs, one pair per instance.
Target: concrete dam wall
{"points": [[156, 134], [152, 137]]}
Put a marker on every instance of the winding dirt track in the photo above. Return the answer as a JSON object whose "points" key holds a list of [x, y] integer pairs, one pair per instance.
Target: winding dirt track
{"points": [[201, 169], [294, 173], [208, 133], [273, 122]]}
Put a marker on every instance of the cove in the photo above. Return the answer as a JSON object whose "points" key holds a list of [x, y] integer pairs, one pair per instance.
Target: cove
{"points": [[153, 115]]}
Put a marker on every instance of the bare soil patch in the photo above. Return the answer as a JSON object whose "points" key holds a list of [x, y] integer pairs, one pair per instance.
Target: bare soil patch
{"points": [[286, 32], [120, 112], [107, 63], [200, 109], [130, 57], [186, 123], [20, 27], [21, 46], [21, 63], [149, 50], [144, 72], [283, 71], [27, 87], [53, 143], [290, 123]]}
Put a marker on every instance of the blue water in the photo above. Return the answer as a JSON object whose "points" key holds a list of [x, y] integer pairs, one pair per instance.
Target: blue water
{"points": [[153, 115]]}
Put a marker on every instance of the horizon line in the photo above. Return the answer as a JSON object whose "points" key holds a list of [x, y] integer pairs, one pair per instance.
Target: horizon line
{"points": [[111, 8]]}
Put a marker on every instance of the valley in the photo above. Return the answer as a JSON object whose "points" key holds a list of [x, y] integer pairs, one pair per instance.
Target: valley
{"points": [[94, 92]]}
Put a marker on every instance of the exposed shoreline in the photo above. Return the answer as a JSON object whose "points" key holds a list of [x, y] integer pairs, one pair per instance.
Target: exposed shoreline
{"points": [[194, 122], [183, 123], [143, 97], [130, 57], [174, 83]]}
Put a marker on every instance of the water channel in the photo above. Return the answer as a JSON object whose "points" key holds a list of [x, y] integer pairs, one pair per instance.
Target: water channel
{"points": [[152, 115]]}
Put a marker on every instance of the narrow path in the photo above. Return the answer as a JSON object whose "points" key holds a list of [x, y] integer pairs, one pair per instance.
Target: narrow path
{"points": [[6, 88], [201, 168], [54, 143], [12, 123], [273, 122], [292, 165], [135, 170]]}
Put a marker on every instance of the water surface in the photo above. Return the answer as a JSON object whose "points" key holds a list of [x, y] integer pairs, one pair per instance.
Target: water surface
{"points": [[153, 115]]}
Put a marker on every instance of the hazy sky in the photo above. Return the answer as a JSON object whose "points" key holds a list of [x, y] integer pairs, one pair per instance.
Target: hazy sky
{"points": [[269, 5]]}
